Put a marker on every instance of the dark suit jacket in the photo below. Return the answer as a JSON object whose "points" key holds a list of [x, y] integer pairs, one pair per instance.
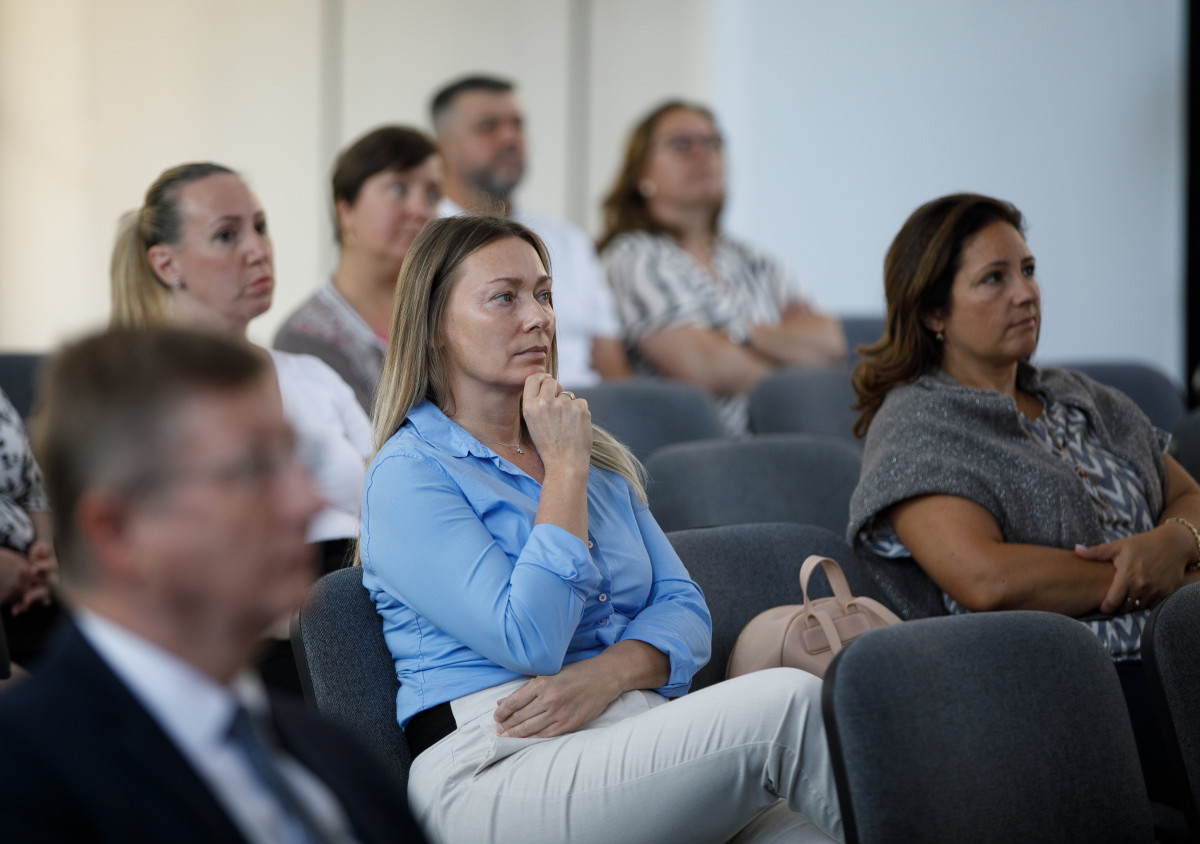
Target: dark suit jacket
{"points": [[81, 760]]}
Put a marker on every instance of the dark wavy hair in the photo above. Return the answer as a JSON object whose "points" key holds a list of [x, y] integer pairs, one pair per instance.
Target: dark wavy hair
{"points": [[917, 273]]}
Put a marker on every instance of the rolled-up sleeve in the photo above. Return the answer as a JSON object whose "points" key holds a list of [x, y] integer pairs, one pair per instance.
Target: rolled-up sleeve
{"points": [[676, 618]]}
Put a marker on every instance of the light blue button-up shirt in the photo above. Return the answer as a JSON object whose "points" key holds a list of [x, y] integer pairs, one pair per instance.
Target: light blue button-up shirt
{"points": [[473, 594]]}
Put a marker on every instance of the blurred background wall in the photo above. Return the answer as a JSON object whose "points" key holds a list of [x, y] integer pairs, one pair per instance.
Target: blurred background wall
{"points": [[841, 117]]}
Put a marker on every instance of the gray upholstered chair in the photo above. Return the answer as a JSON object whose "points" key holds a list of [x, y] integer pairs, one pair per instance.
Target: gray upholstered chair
{"points": [[805, 478], [862, 330], [648, 413], [812, 399], [992, 727], [1171, 657], [18, 377], [345, 667], [745, 569], [1156, 394], [904, 585], [1185, 443]]}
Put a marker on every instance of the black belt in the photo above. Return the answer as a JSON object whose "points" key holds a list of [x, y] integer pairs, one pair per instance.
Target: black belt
{"points": [[428, 727]]}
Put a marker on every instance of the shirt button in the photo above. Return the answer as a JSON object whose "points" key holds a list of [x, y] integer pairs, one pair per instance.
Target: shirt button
{"points": [[602, 598], [602, 622], [591, 544]]}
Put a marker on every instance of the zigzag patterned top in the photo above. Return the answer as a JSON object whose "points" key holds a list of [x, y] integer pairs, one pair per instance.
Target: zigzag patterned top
{"points": [[1114, 490]]}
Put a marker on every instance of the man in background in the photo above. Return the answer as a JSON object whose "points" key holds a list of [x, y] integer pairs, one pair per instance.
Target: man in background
{"points": [[481, 135], [179, 517]]}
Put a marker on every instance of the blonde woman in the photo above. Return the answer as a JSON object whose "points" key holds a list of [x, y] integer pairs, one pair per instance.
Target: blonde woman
{"points": [[198, 253], [544, 630]]}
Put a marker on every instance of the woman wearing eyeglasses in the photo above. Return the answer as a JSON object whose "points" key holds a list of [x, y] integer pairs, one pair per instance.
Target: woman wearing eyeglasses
{"points": [[697, 304]]}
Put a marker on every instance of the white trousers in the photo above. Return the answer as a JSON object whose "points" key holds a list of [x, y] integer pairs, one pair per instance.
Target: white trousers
{"points": [[743, 760]]}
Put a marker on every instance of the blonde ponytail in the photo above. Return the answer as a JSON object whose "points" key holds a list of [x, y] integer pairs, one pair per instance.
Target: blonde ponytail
{"points": [[139, 296]]}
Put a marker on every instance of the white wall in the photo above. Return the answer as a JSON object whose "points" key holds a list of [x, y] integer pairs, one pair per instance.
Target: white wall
{"points": [[844, 117], [96, 99]]}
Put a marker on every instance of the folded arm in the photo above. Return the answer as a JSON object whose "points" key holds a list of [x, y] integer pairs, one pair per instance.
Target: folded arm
{"points": [[705, 357], [1150, 566], [959, 545], [803, 337], [429, 548], [661, 648]]}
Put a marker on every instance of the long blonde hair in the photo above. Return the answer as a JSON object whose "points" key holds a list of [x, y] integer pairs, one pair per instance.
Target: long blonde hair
{"points": [[413, 368], [139, 296]]}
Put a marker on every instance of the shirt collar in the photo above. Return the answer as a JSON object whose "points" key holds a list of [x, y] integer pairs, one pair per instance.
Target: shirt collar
{"points": [[191, 707], [439, 431]]}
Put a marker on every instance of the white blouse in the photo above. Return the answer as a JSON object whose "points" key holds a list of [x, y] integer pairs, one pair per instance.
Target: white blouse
{"points": [[334, 437]]}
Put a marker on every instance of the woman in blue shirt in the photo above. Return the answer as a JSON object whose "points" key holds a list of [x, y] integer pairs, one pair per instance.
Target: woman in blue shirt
{"points": [[539, 619]]}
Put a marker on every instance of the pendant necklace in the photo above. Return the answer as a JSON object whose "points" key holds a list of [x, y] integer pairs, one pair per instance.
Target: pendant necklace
{"points": [[516, 445]]}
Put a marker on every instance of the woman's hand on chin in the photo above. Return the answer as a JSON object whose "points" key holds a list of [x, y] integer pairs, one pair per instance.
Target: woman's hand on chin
{"points": [[559, 424]]}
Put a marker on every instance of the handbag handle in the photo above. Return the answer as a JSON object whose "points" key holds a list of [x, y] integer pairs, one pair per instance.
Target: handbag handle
{"points": [[835, 575]]}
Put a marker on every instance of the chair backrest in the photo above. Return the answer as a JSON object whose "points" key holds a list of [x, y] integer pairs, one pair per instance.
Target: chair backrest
{"points": [[345, 667], [813, 399], [992, 727], [18, 377], [1156, 394], [648, 413], [1171, 657], [1185, 443], [805, 478], [862, 330], [906, 588], [745, 569]]}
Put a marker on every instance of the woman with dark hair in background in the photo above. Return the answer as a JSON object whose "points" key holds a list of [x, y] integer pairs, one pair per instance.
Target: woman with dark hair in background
{"points": [[386, 186], [697, 304], [1012, 486]]}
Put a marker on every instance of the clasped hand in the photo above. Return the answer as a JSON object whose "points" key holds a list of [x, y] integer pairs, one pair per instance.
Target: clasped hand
{"points": [[1146, 569]]}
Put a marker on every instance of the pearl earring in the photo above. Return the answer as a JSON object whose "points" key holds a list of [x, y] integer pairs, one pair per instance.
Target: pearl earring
{"points": [[177, 284], [940, 336], [647, 188]]}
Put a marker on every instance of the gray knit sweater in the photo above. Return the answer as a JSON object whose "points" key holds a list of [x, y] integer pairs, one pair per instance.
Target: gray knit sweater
{"points": [[934, 436]]}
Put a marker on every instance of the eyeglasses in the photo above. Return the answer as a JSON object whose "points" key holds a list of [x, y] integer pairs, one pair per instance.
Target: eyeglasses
{"points": [[261, 467], [684, 144]]}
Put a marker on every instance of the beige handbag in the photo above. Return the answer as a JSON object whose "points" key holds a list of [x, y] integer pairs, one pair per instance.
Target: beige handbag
{"points": [[807, 635]]}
